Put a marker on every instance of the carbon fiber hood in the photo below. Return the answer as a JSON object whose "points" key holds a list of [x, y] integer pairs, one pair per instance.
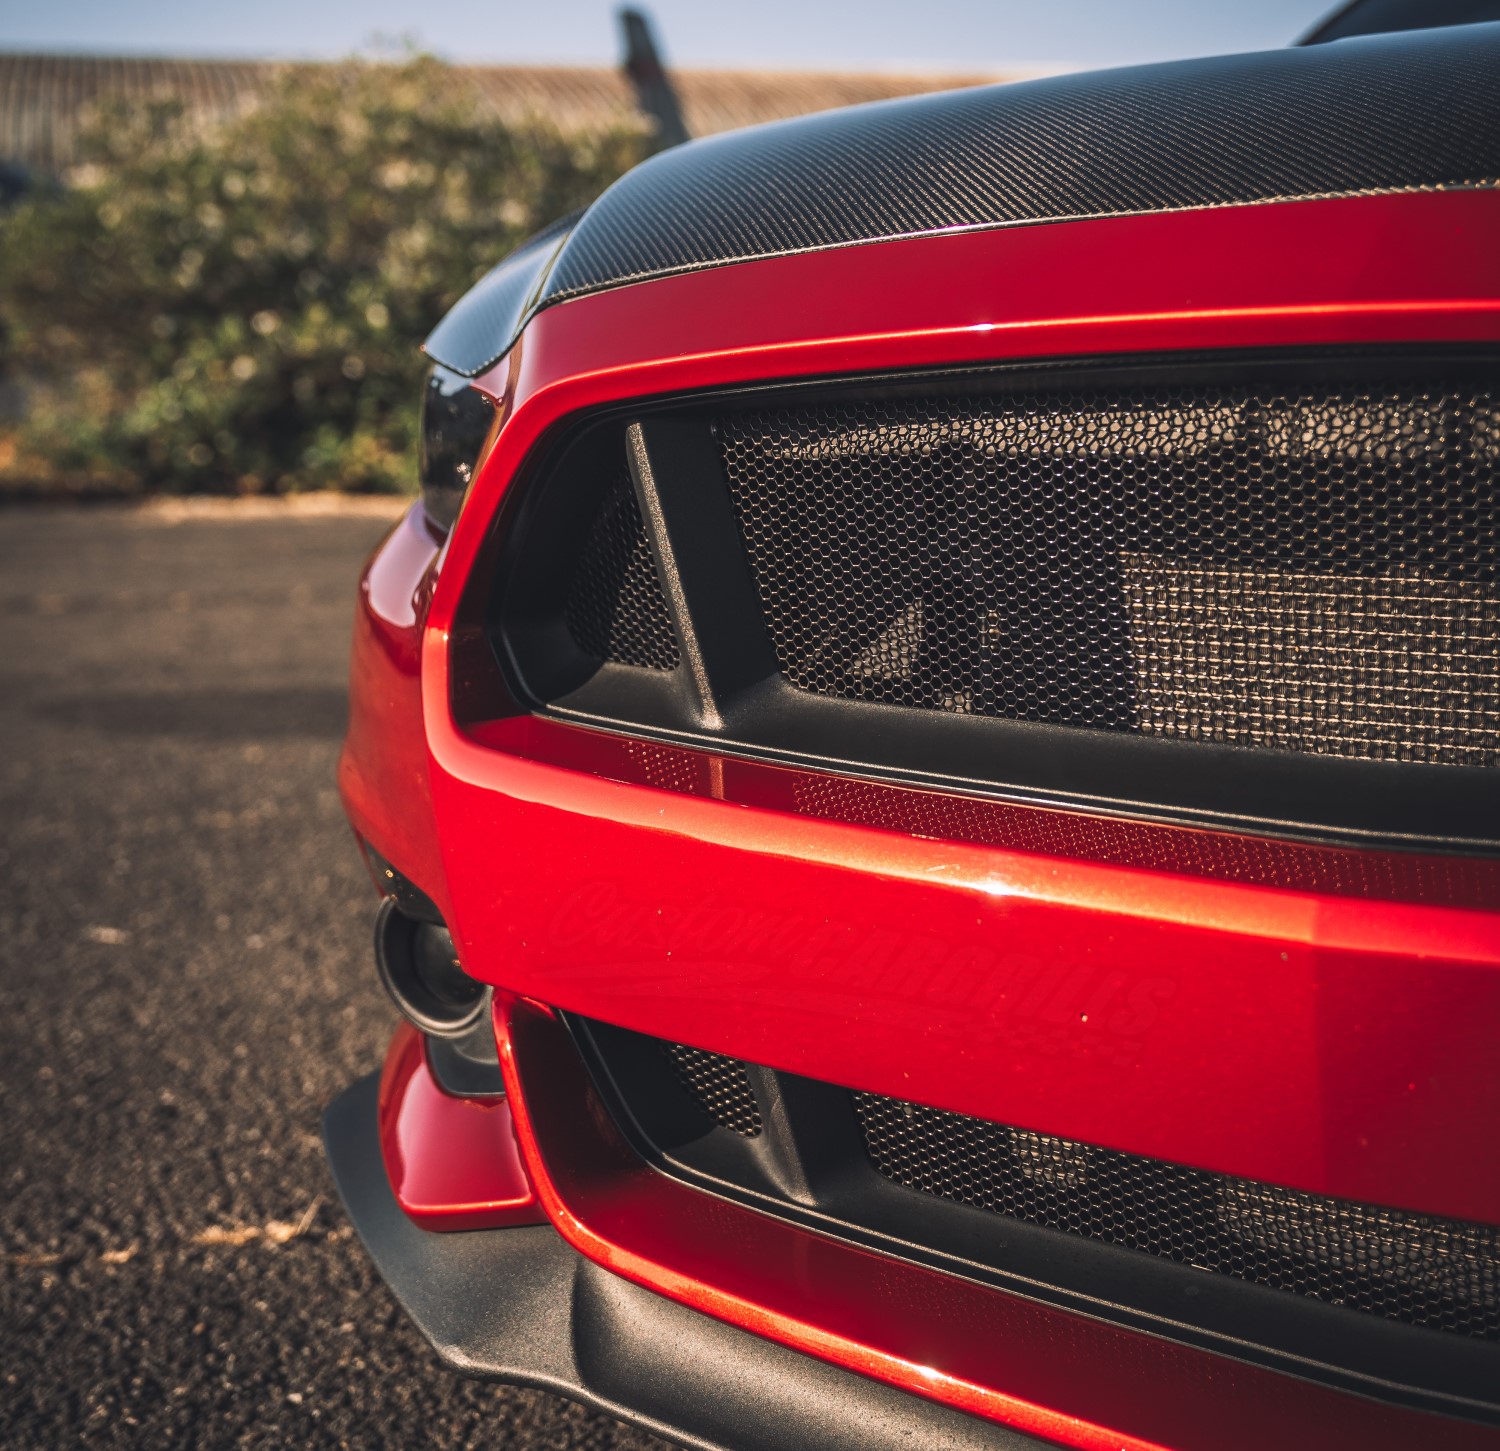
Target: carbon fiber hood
{"points": [[1413, 111]]}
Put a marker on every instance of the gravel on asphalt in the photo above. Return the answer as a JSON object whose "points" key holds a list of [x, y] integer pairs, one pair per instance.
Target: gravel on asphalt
{"points": [[186, 981]]}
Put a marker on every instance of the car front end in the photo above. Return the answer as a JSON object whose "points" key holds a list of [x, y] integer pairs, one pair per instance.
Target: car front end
{"points": [[930, 755]]}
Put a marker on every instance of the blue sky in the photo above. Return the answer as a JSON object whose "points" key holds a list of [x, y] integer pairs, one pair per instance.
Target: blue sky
{"points": [[976, 35]]}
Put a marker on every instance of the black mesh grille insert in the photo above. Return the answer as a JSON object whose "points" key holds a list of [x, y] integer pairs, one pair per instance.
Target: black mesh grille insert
{"points": [[1310, 568], [616, 609], [1442, 1274], [1458, 881], [720, 1085]]}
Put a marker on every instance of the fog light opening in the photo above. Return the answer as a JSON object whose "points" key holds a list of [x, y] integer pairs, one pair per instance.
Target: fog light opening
{"points": [[420, 970]]}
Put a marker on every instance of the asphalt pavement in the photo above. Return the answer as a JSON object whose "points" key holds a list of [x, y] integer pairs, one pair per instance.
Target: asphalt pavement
{"points": [[185, 981]]}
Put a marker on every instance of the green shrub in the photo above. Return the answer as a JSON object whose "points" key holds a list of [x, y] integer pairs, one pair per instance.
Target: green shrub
{"points": [[237, 308]]}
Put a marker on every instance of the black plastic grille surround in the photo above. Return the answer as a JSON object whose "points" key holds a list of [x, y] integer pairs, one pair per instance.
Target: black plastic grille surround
{"points": [[720, 1086], [1311, 568], [1244, 590], [1410, 1268], [615, 606]]}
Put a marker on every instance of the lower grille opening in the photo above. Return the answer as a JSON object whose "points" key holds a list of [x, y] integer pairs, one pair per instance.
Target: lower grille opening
{"points": [[1410, 1268], [720, 1086], [1385, 1301]]}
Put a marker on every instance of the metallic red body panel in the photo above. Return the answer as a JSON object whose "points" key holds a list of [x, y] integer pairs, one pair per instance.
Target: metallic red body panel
{"points": [[383, 770], [1407, 268], [1314, 1017], [1334, 1044], [1337, 1045], [1040, 1369], [453, 1162]]}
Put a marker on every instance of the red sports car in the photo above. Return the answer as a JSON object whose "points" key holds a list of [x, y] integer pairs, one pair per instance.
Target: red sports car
{"points": [[932, 753]]}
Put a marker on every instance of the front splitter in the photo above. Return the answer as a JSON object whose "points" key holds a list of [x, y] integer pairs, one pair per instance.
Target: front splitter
{"points": [[520, 1305]]}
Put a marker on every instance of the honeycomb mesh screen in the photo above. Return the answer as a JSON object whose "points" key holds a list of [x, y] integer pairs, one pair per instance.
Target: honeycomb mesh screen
{"points": [[1309, 568], [1266, 861], [720, 1086], [616, 608], [1441, 1274]]}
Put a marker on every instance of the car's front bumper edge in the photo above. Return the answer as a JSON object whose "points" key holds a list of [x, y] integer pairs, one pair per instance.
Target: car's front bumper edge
{"points": [[520, 1305]]}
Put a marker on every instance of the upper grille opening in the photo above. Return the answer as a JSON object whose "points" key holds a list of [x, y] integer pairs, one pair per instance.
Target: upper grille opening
{"points": [[616, 609], [1310, 568], [1298, 554], [1412, 1268]]}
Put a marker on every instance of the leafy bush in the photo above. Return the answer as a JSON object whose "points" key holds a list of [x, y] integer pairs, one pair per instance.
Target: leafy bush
{"points": [[237, 308]]}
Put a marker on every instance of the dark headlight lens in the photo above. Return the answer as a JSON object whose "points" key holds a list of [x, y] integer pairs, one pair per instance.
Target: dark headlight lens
{"points": [[456, 420]]}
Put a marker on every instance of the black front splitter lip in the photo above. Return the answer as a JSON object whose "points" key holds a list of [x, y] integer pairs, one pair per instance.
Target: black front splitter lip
{"points": [[522, 1306]]}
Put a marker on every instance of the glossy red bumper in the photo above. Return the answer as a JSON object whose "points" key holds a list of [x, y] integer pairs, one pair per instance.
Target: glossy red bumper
{"points": [[453, 1163]]}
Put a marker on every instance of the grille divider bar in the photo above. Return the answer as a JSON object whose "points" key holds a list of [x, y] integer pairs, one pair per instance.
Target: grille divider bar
{"points": [[644, 478], [811, 1137], [715, 606]]}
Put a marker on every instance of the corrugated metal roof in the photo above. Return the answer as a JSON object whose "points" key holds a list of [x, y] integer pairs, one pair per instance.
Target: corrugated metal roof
{"points": [[43, 98]]}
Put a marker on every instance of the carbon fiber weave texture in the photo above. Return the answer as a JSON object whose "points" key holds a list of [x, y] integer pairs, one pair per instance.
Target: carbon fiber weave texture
{"points": [[1413, 111]]}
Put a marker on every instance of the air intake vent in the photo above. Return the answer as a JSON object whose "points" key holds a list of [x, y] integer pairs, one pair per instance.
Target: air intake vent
{"points": [[1239, 591], [719, 1085], [616, 610], [1440, 1274], [1324, 1287], [1310, 568]]}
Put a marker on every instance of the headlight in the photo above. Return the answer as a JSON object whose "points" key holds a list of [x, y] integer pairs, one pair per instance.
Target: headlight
{"points": [[456, 422]]}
